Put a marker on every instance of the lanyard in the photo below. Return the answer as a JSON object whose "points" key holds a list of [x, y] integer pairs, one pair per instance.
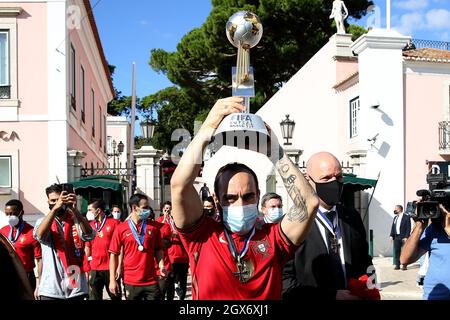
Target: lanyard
{"points": [[329, 225], [101, 225], [19, 231], [139, 238], [233, 248]]}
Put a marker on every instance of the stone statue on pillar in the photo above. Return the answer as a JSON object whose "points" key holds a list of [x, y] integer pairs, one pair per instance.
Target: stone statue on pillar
{"points": [[339, 12]]}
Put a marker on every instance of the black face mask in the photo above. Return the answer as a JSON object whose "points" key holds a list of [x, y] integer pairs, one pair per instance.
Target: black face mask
{"points": [[329, 192], [209, 212]]}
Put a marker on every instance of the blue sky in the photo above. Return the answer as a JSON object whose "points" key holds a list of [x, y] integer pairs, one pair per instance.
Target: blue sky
{"points": [[130, 29]]}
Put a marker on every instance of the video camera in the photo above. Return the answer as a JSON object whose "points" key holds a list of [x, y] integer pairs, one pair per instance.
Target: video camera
{"points": [[438, 180]]}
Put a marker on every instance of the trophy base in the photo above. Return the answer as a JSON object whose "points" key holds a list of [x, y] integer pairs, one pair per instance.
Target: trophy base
{"points": [[243, 131]]}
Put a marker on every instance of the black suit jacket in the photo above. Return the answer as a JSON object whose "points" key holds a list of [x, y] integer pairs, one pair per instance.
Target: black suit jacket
{"points": [[308, 275], [405, 226]]}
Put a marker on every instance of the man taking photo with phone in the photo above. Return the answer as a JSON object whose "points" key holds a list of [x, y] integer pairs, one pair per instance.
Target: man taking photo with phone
{"points": [[62, 233]]}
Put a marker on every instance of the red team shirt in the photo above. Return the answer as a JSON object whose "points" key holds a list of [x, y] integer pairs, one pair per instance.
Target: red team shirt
{"points": [[166, 233], [26, 246], [138, 266], [213, 266], [100, 244]]}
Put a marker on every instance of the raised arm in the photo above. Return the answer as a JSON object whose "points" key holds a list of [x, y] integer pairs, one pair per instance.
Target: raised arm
{"points": [[46, 223], [298, 219], [187, 207], [411, 251]]}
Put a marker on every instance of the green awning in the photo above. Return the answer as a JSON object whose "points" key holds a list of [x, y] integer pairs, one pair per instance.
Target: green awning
{"points": [[99, 181], [354, 183]]}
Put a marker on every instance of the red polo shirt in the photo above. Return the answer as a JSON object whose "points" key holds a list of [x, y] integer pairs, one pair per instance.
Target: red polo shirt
{"points": [[213, 267], [138, 266], [166, 234], [26, 246], [100, 245]]}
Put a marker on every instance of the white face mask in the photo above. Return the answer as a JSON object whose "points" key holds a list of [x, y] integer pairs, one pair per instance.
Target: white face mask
{"points": [[116, 215], [12, 220], [273, 215], [240, 219], [90, 216]]}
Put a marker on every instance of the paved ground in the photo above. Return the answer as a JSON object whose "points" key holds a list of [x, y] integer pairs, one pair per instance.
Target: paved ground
{"points": [[397, 284]]}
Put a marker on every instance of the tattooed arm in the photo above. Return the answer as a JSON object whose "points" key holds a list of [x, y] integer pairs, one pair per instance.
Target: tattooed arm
{"points": [[298, 219]]}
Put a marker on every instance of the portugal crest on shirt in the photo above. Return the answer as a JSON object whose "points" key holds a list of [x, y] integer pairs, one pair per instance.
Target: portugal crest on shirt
{"points": [[261, 247]]}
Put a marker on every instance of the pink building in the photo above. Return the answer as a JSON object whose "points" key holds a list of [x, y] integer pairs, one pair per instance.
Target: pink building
{"points": [[54, 89]]}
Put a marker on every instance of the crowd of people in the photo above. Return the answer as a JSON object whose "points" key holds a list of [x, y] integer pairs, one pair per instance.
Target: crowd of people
{"points": [[232, 244]]}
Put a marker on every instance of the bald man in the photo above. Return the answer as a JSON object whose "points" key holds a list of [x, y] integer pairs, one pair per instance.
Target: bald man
{"points": [[336, 247]]}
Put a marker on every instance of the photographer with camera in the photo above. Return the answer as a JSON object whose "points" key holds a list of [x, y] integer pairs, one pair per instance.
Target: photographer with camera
{"points": [[434, 239], [62, 234]]}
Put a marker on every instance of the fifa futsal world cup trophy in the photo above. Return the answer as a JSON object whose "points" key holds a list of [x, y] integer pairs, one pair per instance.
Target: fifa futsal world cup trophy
{"points": [[243, 130]]}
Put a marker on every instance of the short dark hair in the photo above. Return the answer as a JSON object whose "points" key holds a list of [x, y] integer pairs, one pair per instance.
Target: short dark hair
{"points": [[167, 203], [135, 199], [116, 206], [233, 168], [400, 207], [269, 196], [99, 204], [56, 188], [15, 203], [209, 199]]}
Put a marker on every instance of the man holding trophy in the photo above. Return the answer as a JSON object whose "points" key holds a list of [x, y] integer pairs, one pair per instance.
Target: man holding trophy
{"points": [[235, 259]]}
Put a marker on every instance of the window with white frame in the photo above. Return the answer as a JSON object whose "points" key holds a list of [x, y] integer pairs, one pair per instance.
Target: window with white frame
{"points": [[73, 77], [5, 92], [354, 112], [82, 93], [93, 111], [5, 172], [100, 133], [104, 132]]}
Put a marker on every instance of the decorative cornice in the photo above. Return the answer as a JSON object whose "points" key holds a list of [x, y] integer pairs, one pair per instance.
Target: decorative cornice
{"points": [[380, 39], [10, 11]]}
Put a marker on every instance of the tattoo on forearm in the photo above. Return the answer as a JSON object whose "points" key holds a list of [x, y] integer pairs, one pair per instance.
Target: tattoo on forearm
{"points": [[299, 211]]}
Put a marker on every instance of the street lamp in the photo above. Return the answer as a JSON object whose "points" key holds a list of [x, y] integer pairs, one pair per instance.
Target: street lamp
{"points": [[287, 129], [148, 128], [117, 150]]}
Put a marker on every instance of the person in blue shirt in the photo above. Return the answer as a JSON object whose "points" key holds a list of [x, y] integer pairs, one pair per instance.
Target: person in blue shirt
{"points": [[434, 239]]}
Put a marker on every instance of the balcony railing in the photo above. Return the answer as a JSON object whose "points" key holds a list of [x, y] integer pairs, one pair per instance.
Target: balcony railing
{"points": [[444, 135], [123, 172], [345, 169], [419, 43]]}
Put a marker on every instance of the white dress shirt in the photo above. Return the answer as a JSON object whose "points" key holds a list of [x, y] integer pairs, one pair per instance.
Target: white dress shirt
{"points": [[398, 223]]}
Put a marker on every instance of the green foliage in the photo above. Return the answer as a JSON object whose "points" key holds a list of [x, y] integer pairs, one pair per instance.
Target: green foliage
{"points": [[294, 30], [356, 31]]}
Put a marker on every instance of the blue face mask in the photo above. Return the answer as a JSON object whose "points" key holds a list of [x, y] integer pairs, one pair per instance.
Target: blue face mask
{"points": [[273, 215], [240, 219], [143, 214]]}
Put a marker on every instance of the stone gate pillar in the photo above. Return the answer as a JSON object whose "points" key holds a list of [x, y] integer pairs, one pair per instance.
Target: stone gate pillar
{"points": [[147, 173]]}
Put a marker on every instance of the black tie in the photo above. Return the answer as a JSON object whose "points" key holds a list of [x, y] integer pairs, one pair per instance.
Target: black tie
{"points": [[335, 257]]}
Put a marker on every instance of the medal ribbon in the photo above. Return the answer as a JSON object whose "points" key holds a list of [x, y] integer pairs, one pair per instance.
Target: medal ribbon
{"points": [[244, 248], [329, 224], [101, 225], [139, 238], [19, 231]]}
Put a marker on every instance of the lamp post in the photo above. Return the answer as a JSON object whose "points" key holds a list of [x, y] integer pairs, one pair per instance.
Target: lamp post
{"points": [[148, 129], [117, 150], [287, 129]]}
